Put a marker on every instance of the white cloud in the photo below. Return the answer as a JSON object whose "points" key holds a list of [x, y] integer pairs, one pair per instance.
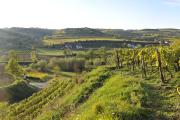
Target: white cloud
{"points": [[172, 2]]}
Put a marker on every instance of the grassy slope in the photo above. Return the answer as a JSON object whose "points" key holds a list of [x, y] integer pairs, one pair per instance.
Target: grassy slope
{"points": [[123, 96], [77, 95], [110, 94], [128, 97]]}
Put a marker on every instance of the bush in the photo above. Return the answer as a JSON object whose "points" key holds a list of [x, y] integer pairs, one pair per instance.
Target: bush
{"points": [[68, 64], [40, 66]]}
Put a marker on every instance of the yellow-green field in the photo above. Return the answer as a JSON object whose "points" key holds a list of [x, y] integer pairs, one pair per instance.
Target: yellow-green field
{"points": [[55, 51], [65, 40], [35, 74]]}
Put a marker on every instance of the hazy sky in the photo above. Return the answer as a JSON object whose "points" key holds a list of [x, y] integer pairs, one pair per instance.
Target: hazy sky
{"points": [[123, 14]]}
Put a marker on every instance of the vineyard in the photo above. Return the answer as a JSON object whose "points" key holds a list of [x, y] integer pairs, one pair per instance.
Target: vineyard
{"points": [[119, 83], [150, 60], [37, 101], [90, 60], [60, 41]]}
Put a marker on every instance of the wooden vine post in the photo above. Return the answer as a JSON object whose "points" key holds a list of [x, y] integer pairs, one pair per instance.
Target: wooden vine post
{"points": [[143, 68], [160, 66], [117, 59]]}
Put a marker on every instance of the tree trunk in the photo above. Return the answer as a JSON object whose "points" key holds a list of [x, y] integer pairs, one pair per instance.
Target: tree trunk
{"points": [[160, 66], [117, 59], [143, 68]]}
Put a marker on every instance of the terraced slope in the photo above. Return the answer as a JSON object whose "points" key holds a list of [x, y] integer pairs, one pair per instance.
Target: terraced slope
{"points": [[78, 95], [103, 93], [31, 107], [126, 96]]}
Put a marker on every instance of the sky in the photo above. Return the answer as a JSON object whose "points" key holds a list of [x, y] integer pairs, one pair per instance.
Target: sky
{"points": [[111, 14]]}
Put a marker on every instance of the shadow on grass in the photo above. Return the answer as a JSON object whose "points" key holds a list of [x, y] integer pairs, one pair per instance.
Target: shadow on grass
{"points": [[153, 101]]}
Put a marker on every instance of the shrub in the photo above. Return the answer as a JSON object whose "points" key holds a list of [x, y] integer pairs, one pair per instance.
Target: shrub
{"points": [[40, 66], [98, 108], [71, 64]]}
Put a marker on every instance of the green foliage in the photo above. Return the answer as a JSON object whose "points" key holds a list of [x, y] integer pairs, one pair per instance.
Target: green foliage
{"points": [[103, 55], [79, 94], [98, 108], [34, 56], [115, 100], [13, 67], [69, 64], [106, 93], [176, 47], [127, 97], [67, 52], [40, 66], [94, 80], [3, 110]]}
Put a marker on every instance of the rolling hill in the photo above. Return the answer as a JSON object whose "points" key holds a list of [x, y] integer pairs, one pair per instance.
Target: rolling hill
{"points": [[79, 32], [22, 38]]}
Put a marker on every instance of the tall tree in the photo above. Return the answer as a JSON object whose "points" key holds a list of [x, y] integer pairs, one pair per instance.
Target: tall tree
{"points": [[90, 55], [13, 67], [34, 55]]}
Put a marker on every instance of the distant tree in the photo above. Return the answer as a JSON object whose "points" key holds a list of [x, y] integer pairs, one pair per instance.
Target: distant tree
{"points": [[42, 65], [90, 55], [13, 67], [67, 52], [45, 37], [34, 55], [12, 55], [53, 62], [103, 55], [56, 70]]}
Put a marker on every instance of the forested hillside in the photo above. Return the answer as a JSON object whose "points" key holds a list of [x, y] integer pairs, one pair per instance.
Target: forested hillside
{"points": [[22, 38], [144, 34], [80, 32]]}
